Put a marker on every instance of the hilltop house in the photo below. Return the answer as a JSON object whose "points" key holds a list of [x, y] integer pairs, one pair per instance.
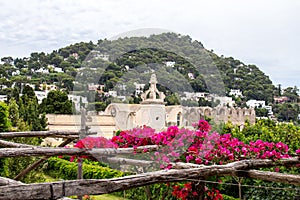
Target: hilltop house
{"points": [[255, 103], [78, 101], [236, 93], [259, 104], [41, 95], [194, 96], [139, 88], [282, 99]]}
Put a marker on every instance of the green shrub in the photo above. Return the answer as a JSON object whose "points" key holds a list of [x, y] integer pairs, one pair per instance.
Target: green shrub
{"points": [[226, 197], [64, 169]]}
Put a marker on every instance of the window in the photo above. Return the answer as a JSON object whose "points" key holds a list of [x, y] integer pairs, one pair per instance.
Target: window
{"points": [[178, 119]]}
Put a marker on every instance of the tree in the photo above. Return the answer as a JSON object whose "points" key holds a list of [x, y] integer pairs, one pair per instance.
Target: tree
{"points": [[29, 111], [291, 93], [203, 102], [13, 166], [13, 110], [56, 103], [33, 116], [4, 117], [261, 112], [172, 99], [287, 111], [56, 60], [7, 59], [65, 64], [279, 90], [28, 91]]}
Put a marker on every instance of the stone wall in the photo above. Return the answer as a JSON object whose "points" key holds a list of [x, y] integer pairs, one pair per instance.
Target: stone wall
{"points": [[237, 116], [104, 125]]}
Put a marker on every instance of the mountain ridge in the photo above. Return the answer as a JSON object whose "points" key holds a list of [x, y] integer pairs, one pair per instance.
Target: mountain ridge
{"points": [[233, 73]]}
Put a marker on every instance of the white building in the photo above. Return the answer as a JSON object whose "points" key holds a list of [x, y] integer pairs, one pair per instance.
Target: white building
{"points": [[224, 101], [255, 103], [42, 71], [3, 87], [94, 87], [122, 98], [269, 108], [112, 93], [194, 95], [126, 67], [139, 88], [15, 73], [259, 104], [3, 98], [48, 87], [191, 76], [170, 63], [30, 85], [41, 95], [236, 93], [103, 57], [58, 70], [77, 100], [121, 87]]}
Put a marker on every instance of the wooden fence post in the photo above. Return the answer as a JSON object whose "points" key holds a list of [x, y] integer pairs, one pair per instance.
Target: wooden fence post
{"points": [[82, 134]]}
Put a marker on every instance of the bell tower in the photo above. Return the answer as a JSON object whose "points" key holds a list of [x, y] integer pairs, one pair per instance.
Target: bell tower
{"points": [[152, 112]]}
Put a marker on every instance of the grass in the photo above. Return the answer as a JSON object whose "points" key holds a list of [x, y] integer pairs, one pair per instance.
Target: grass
{"points": [[108, 197]]}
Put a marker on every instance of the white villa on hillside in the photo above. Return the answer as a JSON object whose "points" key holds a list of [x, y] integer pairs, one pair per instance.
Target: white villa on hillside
{"points": [[77, 100], [139, 88], [194, 95], [255, 103], [41, 95], [224, 101], [259, 104], [236, 93]]}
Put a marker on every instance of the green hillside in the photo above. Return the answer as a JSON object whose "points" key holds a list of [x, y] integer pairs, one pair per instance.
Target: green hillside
{"points": [[129, 61]]}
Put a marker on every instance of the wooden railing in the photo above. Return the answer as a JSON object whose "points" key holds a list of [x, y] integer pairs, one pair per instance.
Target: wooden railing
{"points": [[13, 189]]}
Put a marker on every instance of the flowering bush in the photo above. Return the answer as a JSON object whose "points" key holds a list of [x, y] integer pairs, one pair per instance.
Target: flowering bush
{"points": [[199, 146], [185, 191], [93, 142]]}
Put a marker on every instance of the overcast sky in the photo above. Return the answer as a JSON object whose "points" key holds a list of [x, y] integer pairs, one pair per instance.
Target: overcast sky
{"points": [[265, 33]]}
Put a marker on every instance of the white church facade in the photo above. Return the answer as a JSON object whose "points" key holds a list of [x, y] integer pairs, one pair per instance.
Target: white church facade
{"points": [[153, 112]]}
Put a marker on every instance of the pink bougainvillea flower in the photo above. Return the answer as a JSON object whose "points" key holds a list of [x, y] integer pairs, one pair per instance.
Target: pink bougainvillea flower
{"points": [[203, 125]]}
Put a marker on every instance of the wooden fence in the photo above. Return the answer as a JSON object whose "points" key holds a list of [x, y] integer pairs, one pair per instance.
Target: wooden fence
{"points": [[13, 189]]}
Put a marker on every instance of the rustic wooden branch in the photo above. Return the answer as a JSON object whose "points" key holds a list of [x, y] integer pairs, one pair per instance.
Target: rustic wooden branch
{"points": [[270, 176], [56, 134], [38, 162], [4, 143], [56, 151], [147, 163], [6, 181], [127, 161], [59, 189]]}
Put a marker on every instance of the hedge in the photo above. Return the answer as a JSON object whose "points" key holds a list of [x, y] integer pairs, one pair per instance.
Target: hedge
{"points": [[64, 169]]}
